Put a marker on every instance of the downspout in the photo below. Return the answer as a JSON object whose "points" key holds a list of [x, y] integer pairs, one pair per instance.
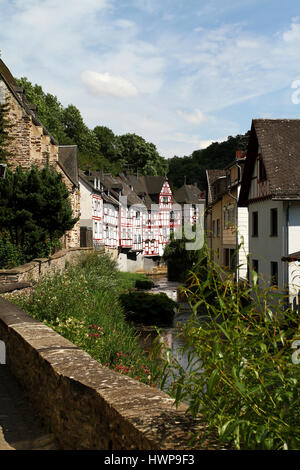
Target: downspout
{"points": [[237, 224], [285, 274]]}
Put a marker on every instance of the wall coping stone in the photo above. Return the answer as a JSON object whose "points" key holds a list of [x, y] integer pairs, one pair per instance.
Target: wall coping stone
{"points": [[87, 405]]}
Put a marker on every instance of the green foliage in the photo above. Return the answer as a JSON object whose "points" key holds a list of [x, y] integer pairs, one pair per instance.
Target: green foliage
{"points": [[10, 255], [142, 156], [148, 309], [240, 378], [180, 260], [35, 210], [49, 110], [5, 138], [82, 305], [215, 156]]}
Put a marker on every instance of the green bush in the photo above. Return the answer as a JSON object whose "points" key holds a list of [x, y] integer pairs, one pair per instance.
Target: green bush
{"points": [[10, 255], [240, 377], [148, 309]]}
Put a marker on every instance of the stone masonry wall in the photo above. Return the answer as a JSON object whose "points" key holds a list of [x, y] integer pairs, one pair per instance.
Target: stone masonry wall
{"points": [[85, 405], [31, 145], [33, 271]]}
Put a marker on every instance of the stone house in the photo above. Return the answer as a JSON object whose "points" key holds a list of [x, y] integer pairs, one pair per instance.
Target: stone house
{"points": [[32, 144], [271, 191]]}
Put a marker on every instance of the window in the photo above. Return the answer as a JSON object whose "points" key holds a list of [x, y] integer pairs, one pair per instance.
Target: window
{"points": [[274, 222], [214, 228], [254, 224], [218, 228], [274, 273]]}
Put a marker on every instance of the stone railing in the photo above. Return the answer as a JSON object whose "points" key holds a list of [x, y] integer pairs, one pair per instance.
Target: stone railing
{"points": [[37, 268], [86, 405]]}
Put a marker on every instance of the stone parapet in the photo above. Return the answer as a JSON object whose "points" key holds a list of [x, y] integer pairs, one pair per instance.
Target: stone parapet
{"points": [[85, 405], [39, 267]]}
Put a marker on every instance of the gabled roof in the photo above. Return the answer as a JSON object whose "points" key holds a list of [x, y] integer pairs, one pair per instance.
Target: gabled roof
{"points": [[278, 141], [212, 176], [188, 194], [68, 161], [18, 94]]}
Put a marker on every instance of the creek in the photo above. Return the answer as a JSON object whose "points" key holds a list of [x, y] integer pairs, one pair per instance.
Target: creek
{"points": [[171, 335]]}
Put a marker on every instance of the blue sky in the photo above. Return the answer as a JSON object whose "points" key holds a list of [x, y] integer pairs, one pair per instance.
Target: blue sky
{"points": [[179, 73]]}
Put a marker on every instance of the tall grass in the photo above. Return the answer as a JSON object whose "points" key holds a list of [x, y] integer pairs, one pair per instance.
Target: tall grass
{"points": [[241, 377], [82, 304]]}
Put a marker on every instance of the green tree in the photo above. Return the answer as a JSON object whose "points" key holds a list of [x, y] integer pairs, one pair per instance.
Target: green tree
{"points": [[142, 156], [216, 156], [5, 138], [110, 145], [49, 109], [35, 210], [180, 260]]}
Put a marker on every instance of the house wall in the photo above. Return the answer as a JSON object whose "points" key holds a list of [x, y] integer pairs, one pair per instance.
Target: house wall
{"points": [[264, 247], [243, 241], [31, 145], [293, 247], [85, 205], [216, 241]]}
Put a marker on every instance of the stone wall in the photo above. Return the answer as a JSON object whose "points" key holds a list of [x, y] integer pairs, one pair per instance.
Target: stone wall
{"points": [[33, 271], [86, 405], [30, 145]]}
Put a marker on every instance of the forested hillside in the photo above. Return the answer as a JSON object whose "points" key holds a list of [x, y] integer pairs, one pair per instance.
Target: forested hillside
{"points": [[100, 148]]}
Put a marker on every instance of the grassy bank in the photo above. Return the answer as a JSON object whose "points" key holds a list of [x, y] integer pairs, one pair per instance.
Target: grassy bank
{"points": [[82, 304]]}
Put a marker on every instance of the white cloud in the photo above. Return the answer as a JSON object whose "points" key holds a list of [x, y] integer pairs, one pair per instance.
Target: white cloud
{"points": [[197, 117], [293, 34], [177, 75], [107, 84]]}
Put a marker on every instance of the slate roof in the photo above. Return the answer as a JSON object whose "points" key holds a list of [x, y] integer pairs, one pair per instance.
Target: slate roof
{"points": [[147, 188], [19, 95], [188, 194], [68, 161], [279, 144]]}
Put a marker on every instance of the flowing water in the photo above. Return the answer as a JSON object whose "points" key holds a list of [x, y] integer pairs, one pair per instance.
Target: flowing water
{"points": [[170, 334]]}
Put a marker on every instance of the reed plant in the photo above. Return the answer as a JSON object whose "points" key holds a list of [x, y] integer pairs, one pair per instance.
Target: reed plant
{"points": [[243, 376]]}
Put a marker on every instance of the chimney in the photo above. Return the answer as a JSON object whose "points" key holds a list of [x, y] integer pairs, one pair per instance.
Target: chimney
{"points": [[238, 154]]}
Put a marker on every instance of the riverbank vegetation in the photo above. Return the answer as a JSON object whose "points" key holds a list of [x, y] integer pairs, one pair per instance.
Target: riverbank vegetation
{"points": [[82, 304], [243, 375], [148, 309]]}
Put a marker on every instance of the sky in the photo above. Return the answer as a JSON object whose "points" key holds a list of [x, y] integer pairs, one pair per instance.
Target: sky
{"points": [[180, 73]]}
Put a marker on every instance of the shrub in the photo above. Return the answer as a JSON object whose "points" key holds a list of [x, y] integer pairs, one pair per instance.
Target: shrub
{"points": [[149, 309]]}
